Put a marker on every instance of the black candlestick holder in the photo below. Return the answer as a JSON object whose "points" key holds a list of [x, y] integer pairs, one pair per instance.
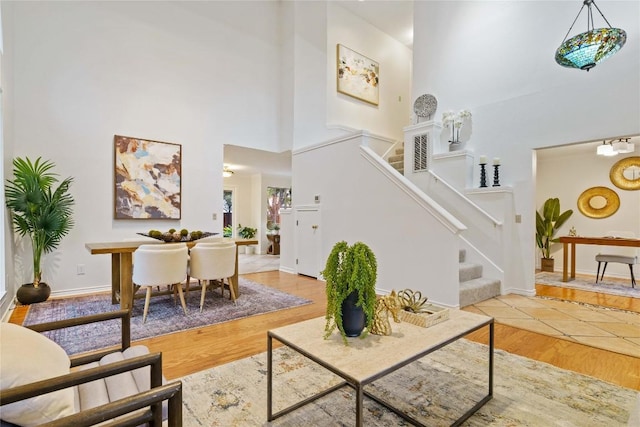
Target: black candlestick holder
{"points": [[483, 175], [496, 176]]}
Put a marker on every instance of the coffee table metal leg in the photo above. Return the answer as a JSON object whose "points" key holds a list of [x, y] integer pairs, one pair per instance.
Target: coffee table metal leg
{"points": [[359, 402], [269, 377]]}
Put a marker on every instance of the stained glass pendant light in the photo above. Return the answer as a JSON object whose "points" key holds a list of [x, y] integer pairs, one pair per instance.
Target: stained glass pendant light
{"points": [[587, 49]]}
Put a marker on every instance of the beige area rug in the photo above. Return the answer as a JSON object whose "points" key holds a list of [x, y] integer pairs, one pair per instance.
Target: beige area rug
{"points": [[436, 390], [587, 283]]}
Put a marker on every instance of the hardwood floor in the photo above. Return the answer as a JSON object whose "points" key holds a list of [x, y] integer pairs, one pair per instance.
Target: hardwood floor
{"points": [[197, 349]]}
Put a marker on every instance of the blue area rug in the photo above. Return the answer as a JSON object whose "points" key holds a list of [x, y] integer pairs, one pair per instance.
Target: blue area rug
{"points": [[164, 316]]}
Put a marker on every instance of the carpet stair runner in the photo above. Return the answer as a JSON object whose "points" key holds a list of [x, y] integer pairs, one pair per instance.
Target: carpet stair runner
{"points": [[397, 160], [473, 287]]}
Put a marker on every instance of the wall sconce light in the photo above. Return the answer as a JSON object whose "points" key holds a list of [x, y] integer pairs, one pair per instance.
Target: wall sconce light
{"points": [[226, 172]]}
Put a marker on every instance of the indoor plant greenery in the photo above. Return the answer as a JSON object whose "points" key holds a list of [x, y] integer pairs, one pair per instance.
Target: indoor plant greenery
{"points": [[38, 209], [246, 232], [547, 224], [349, 271]]}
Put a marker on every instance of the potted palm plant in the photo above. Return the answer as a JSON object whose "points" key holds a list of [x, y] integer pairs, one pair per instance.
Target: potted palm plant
{"points": [[547, 224], [350, 273], [40, 211]]}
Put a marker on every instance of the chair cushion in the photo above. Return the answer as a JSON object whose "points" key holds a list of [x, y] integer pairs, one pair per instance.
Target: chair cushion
{"points": [[624, 259], [119, 386], [27, 356]]}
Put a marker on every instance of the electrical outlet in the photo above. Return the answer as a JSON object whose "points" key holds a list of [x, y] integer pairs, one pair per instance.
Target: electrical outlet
{"points": [[80, 269], [214, 216], [518, 219]]}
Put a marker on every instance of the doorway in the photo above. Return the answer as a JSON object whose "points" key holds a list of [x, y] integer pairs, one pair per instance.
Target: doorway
{"points": [[308, 241], [227, 212]]}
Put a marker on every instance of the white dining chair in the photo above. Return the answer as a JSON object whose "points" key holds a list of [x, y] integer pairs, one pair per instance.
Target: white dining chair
{"points": [[211, 264], [619, 254], [158, 265]]}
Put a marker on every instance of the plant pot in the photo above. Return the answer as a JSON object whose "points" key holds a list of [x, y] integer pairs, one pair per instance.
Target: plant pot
{"points": [[353, 318], [249, 250], [546, 264], [455, 146], [29, 294]]}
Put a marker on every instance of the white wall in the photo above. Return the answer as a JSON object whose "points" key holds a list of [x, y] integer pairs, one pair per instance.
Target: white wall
{"points": [[319, 112], [394, 110], [360, 203], [201, 74], [496, 58], [6, 77], [566, 177]]}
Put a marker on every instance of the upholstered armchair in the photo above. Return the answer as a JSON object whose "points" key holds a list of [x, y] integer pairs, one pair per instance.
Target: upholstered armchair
{"points": [[119, 386]]}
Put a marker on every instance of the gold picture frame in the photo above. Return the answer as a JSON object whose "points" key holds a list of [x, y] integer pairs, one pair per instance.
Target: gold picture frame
{"points": [[611, 205], [357, 75], [617, 173]]}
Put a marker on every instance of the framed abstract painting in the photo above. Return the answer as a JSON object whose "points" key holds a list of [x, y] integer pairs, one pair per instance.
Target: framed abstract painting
{"points": [[147, 179], [357, 75]]}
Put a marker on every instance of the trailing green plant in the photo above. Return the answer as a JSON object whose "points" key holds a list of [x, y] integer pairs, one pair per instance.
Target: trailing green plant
{"points": [[548, 223], [246, 232], [37, 209], [349, 269]]}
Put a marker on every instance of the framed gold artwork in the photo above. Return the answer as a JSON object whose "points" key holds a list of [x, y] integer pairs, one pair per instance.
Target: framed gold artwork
{"points": [[625, 173], [598, 202], [147, 179], [357, 75]]}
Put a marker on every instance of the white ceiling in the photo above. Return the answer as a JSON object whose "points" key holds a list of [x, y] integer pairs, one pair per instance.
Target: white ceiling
{"points": [[394, 17], [249, 161], [585, 147]]}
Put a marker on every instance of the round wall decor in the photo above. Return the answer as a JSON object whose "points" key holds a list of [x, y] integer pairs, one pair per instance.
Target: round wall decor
{"points": [[625, 173], [425, 105], [598, 202]]}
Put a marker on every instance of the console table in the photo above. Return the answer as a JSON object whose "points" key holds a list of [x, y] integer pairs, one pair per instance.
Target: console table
{"points": [[122, 265], [575, 240], [366, 360]]}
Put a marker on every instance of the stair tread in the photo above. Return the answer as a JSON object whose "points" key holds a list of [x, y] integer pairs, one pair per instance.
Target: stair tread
{"points": [[476, 290], [480, 281]]}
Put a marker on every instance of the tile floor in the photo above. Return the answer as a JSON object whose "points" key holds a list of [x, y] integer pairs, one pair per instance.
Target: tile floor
{"points": [[610, 329], [256, 263]]}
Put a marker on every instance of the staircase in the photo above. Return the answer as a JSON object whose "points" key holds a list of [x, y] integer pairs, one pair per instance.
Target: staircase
{"points": [[473, 287], [397, 160]]}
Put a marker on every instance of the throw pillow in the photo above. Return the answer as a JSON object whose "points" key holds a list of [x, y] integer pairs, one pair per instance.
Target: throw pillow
{"points": [[27, 356]]}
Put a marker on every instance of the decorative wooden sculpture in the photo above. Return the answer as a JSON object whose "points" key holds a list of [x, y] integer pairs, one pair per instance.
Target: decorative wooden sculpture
{"points": [[385, 305]]}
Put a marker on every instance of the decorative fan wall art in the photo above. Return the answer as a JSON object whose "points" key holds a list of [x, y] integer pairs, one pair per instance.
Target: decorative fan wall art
{"points": [[598, 202], [625, 173]]}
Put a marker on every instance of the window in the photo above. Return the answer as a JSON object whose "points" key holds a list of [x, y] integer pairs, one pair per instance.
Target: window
{"points": [[227, 213], [277, 198]]}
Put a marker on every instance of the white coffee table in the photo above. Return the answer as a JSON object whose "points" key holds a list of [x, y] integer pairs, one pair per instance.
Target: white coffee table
{"points": [[364, 361]]}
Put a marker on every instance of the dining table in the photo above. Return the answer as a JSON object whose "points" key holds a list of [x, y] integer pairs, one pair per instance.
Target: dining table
{"points": [[122, 265], [579, 240]]}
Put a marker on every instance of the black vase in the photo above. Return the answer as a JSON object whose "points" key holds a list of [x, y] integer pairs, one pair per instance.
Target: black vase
{"points": [[353, 317], [29, 294]]}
